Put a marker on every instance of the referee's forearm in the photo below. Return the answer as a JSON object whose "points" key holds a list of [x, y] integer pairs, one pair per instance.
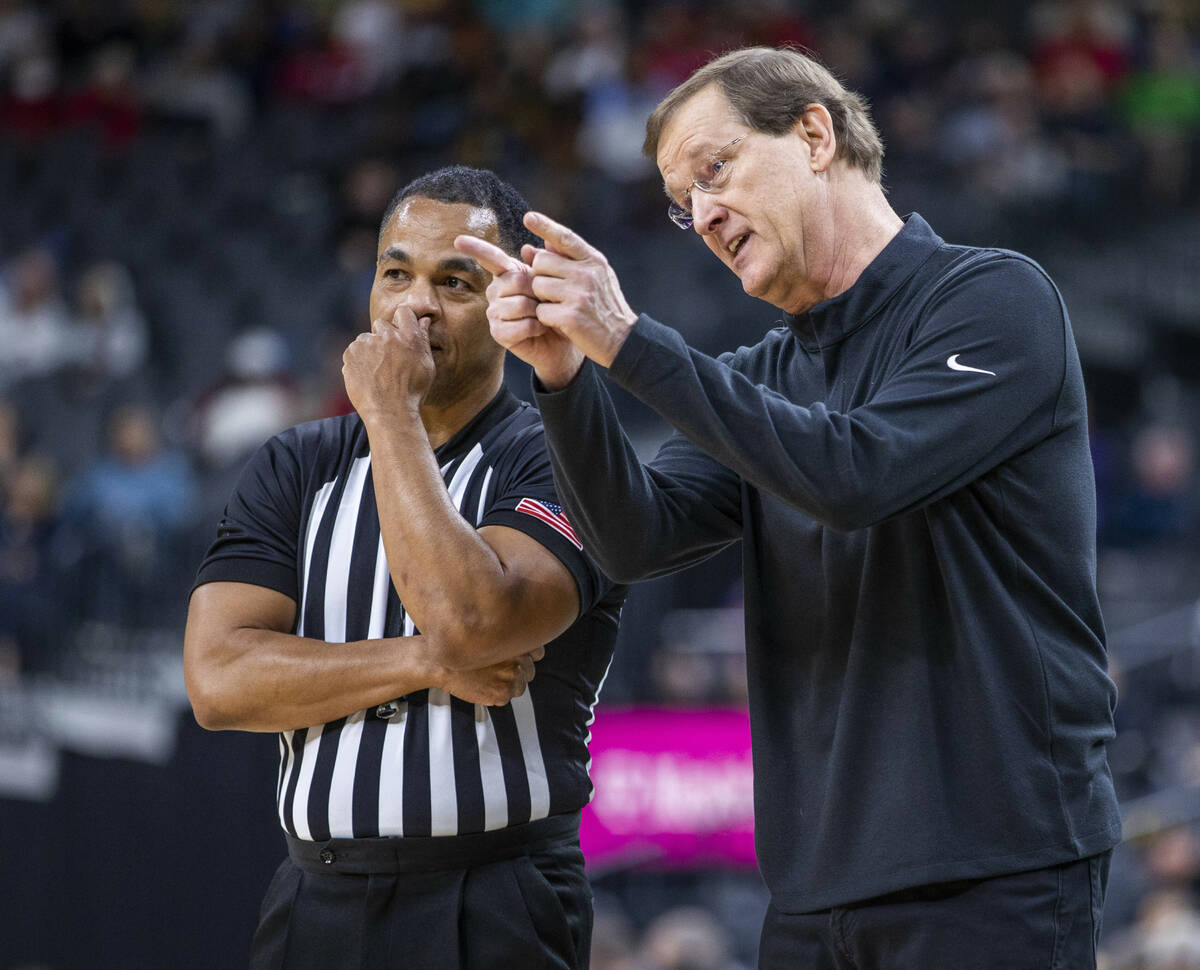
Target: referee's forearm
{"points": [[458, 589], [439, 564], [272, 681]]}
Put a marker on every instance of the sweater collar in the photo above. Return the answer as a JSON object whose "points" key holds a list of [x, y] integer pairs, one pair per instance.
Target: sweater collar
{"points": [[833, 320]]}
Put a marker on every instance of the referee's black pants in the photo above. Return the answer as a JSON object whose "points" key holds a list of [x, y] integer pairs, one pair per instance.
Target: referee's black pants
{"points": [[1044, 919], [514, 898]]}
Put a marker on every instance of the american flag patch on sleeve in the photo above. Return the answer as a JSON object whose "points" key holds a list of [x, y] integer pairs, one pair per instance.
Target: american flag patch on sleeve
{"points": [[552, 515]]}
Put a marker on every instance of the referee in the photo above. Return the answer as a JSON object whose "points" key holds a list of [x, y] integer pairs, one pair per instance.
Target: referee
{"points": [[379, 589]]}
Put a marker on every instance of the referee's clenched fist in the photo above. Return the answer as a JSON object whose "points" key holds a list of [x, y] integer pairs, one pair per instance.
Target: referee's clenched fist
{"points": [[391, 365]]}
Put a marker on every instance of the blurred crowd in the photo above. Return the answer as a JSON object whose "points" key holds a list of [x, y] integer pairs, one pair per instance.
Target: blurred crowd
{"points": [[192, 195]]}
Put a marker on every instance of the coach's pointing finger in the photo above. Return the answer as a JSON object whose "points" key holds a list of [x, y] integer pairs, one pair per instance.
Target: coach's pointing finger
{"points": [[511, 303], [513, 312], [492, 258], [579, 294], [558, 237]]}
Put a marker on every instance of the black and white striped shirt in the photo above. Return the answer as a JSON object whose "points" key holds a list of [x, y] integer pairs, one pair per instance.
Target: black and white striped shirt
{"points": [[303, 521]]}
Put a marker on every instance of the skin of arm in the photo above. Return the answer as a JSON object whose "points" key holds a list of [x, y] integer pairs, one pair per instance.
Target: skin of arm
{"points": [[482, 595], [245, 671]]}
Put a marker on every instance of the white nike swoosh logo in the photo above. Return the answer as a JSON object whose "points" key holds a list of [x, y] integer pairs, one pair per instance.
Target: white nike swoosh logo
{"points": [[953, 364]]}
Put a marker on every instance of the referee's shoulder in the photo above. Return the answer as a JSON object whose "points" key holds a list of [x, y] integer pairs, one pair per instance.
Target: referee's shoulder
{"points": [[517, 443], [320, 434], [522, 425]]}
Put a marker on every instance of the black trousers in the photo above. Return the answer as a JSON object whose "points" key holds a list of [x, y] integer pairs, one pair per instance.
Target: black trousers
{"points": [[1045, 919], [517, 897]]}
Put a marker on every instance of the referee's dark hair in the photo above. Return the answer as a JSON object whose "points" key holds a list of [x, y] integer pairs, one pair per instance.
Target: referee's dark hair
{"points": [[477, 187]]}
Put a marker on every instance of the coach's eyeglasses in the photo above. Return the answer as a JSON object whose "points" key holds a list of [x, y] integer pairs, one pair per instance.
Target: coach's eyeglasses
{"points": [[711, 179]]}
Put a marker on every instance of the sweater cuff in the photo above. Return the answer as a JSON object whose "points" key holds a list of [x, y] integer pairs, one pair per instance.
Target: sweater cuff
{"points": [[632, 349], [650, 353], [577, 393], [540, 391]]}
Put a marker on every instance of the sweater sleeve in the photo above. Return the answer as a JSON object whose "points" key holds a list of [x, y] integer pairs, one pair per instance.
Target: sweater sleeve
{"points": [[976, 382], [638, 521]]}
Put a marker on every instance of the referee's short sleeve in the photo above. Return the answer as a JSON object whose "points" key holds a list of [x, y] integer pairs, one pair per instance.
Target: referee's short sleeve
{"points": [[525, 499], [257, 535]]}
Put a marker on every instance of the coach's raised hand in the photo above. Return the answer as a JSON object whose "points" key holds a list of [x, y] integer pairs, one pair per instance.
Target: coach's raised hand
{"points": [[562, 303], [512, 313], [578, 292]]}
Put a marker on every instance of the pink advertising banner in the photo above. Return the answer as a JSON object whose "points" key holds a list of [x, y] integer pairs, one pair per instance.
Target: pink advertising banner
{"points": [[674, 788]]}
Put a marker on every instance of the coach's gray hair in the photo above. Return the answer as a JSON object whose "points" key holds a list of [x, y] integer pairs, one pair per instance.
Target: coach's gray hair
{"points": [[770, 89]]}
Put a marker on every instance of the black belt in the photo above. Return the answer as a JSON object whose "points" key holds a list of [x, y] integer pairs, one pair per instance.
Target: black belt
{"points": [[428, 853]]}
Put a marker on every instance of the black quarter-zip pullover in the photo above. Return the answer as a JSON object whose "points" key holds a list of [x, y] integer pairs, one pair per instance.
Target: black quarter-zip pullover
{"points": [[907, 466]]}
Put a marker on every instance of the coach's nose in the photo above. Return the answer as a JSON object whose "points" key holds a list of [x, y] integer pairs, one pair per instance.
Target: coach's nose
{"points": [[707, 213]]}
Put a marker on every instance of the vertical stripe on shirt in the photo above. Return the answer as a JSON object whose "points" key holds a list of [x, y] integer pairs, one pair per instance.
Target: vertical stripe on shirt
{"points": [[362, 572], [317, 568], [379, 594], [465, 767], [295, 741], [306, 762], [516, 782], [483, 495], [390, 799], [336, 571], [341, 781], [367, 779], [283, 763], [443, 791], [315, 514], [531, 748], [591, 718], [416, 767], [286, 763], [365, 772], [320, 786], [341, 549], [457, 486], [491, 770]]}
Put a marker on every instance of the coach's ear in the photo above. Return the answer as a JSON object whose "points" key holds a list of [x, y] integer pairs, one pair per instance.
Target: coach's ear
{"points": [[815, 127]]}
